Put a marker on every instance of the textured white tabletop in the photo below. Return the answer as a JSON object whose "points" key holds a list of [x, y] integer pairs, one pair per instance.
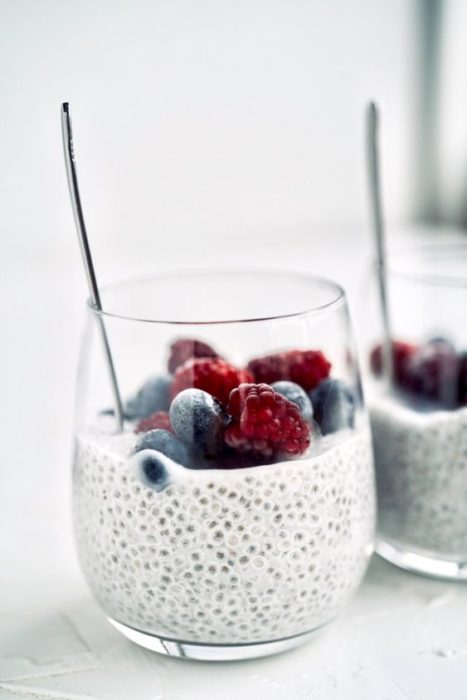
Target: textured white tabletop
{"points": [[403, 636]]}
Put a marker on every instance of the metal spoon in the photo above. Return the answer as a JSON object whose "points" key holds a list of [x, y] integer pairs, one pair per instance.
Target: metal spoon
{"points": [[377, 219], [86, 254]]}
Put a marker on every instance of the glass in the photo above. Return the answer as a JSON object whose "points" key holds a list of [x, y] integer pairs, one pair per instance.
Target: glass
{"points": [[253, 525], [419, 424]]}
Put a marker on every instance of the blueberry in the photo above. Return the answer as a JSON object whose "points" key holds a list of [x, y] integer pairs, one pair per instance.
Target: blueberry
{"points": [[198, 420], [333, 405], [164, 442], [153, 396], [107, 412], [151, 468], [439, 340], [294, 392]]}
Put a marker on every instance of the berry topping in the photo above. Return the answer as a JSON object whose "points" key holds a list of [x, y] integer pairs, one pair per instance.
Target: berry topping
{"points": [[215, 376], [265, 423], [293, 392], [164, 442], [402, 352], [433, 372], [160, 419], [462, 381], [150, 467], [333, 406], [186, 349], [199, 420], [153, 396], [304, 367]]}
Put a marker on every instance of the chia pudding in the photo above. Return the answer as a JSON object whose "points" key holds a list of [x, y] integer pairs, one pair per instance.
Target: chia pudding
{"points": [[238, 555], [421, 476], [420, 443], [237, 505]]}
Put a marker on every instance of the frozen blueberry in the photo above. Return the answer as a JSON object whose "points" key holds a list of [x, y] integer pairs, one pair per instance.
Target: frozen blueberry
{"points": [[439, 340], [294, 392], [333, 405], [165, 442], [153, 396], [107, 412], [198, 420], [151, 467]]}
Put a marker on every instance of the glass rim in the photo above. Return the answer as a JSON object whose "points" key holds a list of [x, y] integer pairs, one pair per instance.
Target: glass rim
{"points": [[429, 251], [338, 299]]}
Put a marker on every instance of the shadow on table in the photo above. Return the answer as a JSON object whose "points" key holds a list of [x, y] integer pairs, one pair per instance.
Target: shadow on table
{"points": [[388, 576]]}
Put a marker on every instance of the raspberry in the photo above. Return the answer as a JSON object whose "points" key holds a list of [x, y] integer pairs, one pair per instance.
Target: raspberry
{"points": [[185, 349], [156, 420], [304, 367], [265, 423], [215, 376], [402, 352]]}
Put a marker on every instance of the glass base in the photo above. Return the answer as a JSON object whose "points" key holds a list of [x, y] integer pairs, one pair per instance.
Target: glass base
{"points": [[209, 652], [422, 563]]}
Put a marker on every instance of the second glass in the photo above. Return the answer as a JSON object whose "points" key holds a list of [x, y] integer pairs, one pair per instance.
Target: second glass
{"points": [[420, 424]]}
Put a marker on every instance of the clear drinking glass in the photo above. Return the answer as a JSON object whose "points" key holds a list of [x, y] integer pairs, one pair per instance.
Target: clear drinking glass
{"points": [[253, 525], [419, 423]]}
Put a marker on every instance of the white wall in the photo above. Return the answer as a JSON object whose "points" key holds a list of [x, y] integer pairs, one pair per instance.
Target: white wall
{"points": [[240, 116], [452, 114]]}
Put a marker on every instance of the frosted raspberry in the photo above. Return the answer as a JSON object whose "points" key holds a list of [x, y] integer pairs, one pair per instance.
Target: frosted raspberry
{"points": [[215, 376], [304, 367], [156, 420], [185, 349], [402, 354], [265, 423]]}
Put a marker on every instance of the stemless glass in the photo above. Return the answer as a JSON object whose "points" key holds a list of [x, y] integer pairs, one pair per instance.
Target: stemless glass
{"points": [[253, 525], [419, 423]]}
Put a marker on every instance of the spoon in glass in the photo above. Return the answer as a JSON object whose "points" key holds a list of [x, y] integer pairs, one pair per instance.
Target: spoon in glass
{"points": [[377, 220], [72, 177]]}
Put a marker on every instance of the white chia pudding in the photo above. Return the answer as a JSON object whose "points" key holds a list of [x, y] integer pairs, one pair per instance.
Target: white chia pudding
{"points": [[421, 474], [230, 555]]}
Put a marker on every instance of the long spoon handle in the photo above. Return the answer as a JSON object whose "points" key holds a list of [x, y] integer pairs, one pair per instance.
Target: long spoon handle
{"points": [[86, 254], [376, 209]]}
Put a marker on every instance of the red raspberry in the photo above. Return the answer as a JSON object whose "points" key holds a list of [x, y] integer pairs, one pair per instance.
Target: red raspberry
{"points": [[304, 367], [156, 420], [185, 349], [215, 376], [402, 353], [265, 423]]}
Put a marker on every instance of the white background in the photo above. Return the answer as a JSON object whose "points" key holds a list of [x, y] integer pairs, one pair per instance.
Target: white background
{"points": [[226, 116]]}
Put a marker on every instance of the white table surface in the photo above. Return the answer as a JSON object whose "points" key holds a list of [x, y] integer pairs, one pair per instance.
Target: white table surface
{"points": [[402, 636]]}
